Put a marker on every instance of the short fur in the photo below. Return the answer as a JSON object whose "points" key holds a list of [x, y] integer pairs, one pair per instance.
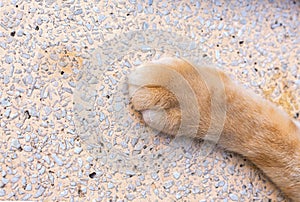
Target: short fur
{"points": [[253, 127]]}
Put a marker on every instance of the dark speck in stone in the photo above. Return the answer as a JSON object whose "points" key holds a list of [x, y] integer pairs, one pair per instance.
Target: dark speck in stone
{"points": [[28, 116], [92, 175]]}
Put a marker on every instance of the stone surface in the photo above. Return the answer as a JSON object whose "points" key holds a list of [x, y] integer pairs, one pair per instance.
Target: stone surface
{"points": [[47, 48]]}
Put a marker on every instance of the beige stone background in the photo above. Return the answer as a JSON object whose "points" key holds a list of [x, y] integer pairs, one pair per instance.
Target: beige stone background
{"points": [[44, 45]]}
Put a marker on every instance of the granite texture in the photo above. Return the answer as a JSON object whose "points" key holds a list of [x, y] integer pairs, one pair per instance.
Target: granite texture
{"points": [[48, 54]]}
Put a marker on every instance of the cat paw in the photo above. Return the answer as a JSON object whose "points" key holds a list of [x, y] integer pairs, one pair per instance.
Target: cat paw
{"points": [[172, 93], [148, 89], [159, 108]]}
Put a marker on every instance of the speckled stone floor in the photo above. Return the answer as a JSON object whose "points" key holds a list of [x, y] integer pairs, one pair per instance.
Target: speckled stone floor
{"points": [[47, 48]]}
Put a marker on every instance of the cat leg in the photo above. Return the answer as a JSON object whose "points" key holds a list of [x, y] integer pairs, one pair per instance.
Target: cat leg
{"points": [[172, 95]]}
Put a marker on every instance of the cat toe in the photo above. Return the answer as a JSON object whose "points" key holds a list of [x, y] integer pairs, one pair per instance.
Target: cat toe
{"points": [[149, 97], [164, 120]]}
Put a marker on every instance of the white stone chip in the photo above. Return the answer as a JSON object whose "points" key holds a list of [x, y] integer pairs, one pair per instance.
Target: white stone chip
{"points": [[15, 143]]}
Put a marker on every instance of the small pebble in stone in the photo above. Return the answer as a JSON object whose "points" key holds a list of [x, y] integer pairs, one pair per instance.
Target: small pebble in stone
{"points": [[130, 197], [169, 184], [26, 197], [2, 192], [130, 173], [220, 184], [25, 55], [176, 175], [110, 185], [28, 187], [15, 179], [64, 193], [15, 143], [8, 59], [40, 192], [7, 113], [13, 116], [24, 181], [78, 12], [134, 141], [47, 159], [57, 160], [78, 150], [42, 170], [5, 102], [90, 159], [178, 195], [233, 197], [4, 180], [154, 176], [27, 148], [231, 170], [195, 190]]}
